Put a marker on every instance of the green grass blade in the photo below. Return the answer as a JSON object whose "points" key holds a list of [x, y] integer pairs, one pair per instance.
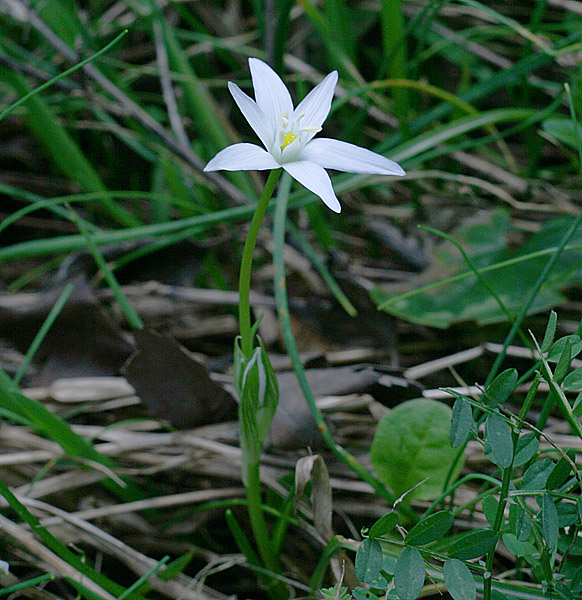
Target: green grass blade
{"points": [[323, 271], [394, 43], [142, 581], [129, 313], [503, 79], [78, 66], [29, 583], [42, 332], [56, 546]]}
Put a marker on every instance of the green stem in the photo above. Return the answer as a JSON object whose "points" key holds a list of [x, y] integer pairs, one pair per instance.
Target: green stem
{"points": [[244, 308], [258, 523], [275, 589], [487, 590], [497, 527]]}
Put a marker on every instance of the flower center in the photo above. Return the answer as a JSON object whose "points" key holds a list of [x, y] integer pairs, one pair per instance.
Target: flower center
{"points": [[287, 139], [291, 130]]}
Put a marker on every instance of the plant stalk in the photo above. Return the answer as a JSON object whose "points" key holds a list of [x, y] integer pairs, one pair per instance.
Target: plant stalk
{"points": [[244, 308]]}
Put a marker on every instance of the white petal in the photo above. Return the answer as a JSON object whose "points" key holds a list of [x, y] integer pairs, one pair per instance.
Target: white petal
{"points": [[242, 157], [315, 106], [341, 156], [254, 115], [270, 92], [315, 179]]}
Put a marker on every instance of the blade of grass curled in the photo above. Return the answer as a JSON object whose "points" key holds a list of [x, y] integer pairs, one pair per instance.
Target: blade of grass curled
{"points": [[42, 332], [66, 73], [342, 184], [281, 299], [63, 150], [420, 87], [56, 546], [129, 313]]}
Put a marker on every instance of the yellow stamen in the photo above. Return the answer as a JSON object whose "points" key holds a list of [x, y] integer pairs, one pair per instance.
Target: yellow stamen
{"points": [[289, 137]]}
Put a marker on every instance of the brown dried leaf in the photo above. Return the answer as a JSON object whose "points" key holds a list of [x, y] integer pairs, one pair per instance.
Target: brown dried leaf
{"points": [[174, 386]]}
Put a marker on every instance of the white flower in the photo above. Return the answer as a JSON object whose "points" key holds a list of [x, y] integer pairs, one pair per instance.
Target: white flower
{"points": [[288, 133]]}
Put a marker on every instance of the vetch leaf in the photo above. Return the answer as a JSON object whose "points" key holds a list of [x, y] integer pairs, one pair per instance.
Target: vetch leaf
{"points": [[383, 525], [490, 504], [369, 560], [523, 525], [549, 516], [527, 446], [564, 362], [412, 444], [576, 585], [409, 574], [573, 381], [536, 476], [499, 390], [550, 332], [567, 514], [336, 592], [517, 547], [560, 472], [499, 446], [459, 580], [361, 593], [474, 544], [461, 422], [557, 349], [389, 564], [430, 529]]}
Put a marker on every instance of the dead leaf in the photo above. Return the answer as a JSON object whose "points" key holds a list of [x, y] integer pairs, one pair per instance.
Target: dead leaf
{"points": [[174, 386], [312, 468]]}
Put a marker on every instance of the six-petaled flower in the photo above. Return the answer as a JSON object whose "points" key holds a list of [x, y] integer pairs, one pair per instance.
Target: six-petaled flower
{"points": [[288, 136]]}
